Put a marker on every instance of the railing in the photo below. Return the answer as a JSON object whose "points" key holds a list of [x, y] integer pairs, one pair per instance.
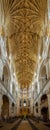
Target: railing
{"points": [[7, 90], [42, 89]]}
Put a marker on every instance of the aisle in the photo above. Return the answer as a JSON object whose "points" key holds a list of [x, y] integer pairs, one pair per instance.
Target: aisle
{"points": [[24, 125]]}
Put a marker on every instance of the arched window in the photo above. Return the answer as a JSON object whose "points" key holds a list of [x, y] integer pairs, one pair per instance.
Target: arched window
{"points": [[44, 97], [36, 104], [6, 76]]}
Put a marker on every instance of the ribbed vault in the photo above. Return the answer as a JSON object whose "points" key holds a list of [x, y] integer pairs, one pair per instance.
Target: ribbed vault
{"points": [[24, 22]]}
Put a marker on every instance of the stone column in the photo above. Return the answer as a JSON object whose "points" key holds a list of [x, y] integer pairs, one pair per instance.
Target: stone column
{"points": [[1, 102], [48, 2], [48, 94], [34, 110], [10, 109], [16, 110], [31, 106], [39, 109], [18, 106], [48, 68]]}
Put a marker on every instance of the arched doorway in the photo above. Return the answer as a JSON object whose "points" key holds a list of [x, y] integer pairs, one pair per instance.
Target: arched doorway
{"points": [[5, 107], [44, 112], [44, 107]]}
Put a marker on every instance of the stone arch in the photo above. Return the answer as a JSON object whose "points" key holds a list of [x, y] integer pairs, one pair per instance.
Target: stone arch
{"points": [[43, 71], [5, 107], [48, 62], [42, 76], [1, 68], [43, 64], [49, 50], [6, 75], [41, 46], [44, 107]]}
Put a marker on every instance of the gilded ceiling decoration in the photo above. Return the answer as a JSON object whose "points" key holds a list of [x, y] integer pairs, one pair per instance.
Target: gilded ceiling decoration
{"points": [[24, 22]]}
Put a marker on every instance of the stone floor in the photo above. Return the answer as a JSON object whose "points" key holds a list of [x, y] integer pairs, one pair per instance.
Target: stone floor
{"points": [[24, 125], [40, 125], [8, 126]]}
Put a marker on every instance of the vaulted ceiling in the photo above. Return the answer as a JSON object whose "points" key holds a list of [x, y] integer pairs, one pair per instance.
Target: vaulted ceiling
{"points": [[24, 22]]}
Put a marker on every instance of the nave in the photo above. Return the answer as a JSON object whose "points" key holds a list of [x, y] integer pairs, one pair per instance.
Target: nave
{"points": [[24, 64], [24, 124]]}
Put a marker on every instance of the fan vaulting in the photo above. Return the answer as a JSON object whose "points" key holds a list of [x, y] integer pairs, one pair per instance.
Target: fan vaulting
{"points": [[23, 22]]}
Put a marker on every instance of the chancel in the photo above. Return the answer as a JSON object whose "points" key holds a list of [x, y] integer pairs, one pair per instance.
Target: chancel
{"points": [[24, 64]]}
